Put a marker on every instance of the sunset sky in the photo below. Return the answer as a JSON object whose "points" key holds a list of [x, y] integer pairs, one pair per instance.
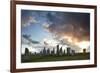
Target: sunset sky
{"points": [[51, 27]]}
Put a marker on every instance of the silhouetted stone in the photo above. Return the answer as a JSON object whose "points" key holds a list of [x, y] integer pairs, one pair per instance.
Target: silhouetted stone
{"points": [[84, 50], [60, 51], [26, 52], [57, 52], [73, 52], [68, 51]]}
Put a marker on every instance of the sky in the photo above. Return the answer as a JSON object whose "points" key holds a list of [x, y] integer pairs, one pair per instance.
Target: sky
{"points": [[52, 27]]}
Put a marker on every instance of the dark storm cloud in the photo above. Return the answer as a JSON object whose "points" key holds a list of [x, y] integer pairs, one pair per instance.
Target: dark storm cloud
{"points": [[74, 25], [70, 24]]}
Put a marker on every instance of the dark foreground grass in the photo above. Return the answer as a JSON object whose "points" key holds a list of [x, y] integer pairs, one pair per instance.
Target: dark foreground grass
{"points": [[31, 58]]}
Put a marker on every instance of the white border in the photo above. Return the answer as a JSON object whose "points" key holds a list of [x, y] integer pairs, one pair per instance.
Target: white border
{"points": [[20, 65]]}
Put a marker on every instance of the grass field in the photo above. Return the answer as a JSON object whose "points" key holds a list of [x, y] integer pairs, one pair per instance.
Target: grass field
{"points": [[37, 58]]}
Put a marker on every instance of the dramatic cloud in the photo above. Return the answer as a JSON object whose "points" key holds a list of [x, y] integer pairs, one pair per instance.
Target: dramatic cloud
{"points": [[70, 26], [27, 19], [26, 38]]}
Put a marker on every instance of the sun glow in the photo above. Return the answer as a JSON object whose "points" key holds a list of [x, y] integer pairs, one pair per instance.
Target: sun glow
{"points": [[83, 44], [69, 39]]}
